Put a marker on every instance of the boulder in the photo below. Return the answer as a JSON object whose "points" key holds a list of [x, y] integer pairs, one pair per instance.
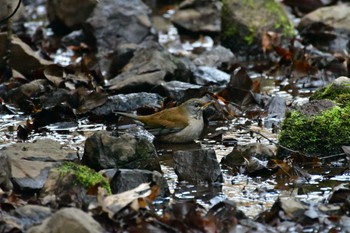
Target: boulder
{"points": [[149, 66], [127, 103], [330, 23], [215, 57], [244, 22], [68, 220], [127, 179], [31, 162], [30, 215], [318, 127], [69, 14], [115, 22], [102, 150], [68, 184], [197, 166], [198, 16]]}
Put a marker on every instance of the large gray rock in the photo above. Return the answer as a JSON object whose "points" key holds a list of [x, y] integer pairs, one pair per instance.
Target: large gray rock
{"points": [[198, 16], [30, 215], [197, 166], [179, 91], [69, 13], [206, 75], [31, 162], [127, 103], [127, 179], [244, 22], [68, 220], [102, 151], [333, 22], [150, 66], [117, 21], [215, 57]]}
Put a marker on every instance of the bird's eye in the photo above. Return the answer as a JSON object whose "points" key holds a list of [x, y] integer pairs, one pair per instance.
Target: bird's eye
{"points": [[196, 105]]}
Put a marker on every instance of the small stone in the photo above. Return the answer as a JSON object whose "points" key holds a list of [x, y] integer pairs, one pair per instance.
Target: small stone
{"points": [[68, 220], [197, 166], [127, 179]]}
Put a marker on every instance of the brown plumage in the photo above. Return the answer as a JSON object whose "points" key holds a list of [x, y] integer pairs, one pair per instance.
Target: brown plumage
{"points": [[183, 123]]}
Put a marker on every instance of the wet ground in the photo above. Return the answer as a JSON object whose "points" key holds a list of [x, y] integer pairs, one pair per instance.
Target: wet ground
{"points": [[252, 195]]}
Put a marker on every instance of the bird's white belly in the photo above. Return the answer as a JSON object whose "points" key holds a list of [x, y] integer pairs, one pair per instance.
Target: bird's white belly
{"points": [[189, 133]]}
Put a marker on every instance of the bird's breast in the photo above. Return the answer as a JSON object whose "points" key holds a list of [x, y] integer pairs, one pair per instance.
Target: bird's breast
{"points": [[191, 132]]}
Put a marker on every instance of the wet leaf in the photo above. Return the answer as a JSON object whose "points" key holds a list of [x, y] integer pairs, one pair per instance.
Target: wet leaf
{"points": [[238, 90], [114, 203], [55, 75]]}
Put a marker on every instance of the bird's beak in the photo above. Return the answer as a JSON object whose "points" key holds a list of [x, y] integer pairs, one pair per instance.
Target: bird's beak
{"points": [[206, 105]]}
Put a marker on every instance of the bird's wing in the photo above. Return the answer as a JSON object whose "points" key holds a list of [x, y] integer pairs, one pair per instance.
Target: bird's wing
{"points": [[169, 118], [161, 123]]}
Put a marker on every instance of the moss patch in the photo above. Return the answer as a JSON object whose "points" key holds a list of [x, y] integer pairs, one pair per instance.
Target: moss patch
{"points": [[323, 134], [244, 22], [282, 21], [85, 175], [337, 93]]}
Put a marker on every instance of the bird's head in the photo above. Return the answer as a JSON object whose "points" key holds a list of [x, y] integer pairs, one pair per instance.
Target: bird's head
{"points": [[195, 107]]}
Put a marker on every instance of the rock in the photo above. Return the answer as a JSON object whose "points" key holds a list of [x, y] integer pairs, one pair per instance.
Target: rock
{"points": [[69, 14], [31, 162], [243, 24], [30, 215], [68, 220], [329, 22], [226, 214], [120, 57], [149, 67], [23, 94], [123, 22], [316, 128], [67, 185], [179, 91], [127, 103], [126, 151], [5, 172], [127, 179], [316, 107], [21, 52], [198, 16], [205, 75], [75, 38], [276, 111], [197, 166], [215, 57], [4, 10], [338, 91]]}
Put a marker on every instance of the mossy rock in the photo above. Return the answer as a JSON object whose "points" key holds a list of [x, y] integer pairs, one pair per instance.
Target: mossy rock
{"points": [[244, 22], [337, 92], [316, 134], [85, 176]]}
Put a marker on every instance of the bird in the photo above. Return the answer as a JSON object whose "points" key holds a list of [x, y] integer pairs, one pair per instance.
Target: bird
{"points": [[180, 124]]}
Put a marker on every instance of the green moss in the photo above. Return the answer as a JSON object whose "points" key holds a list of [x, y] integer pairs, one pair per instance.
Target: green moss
{"points": [[85, 175], [282, 21], [337, 93], [323, 134]]}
